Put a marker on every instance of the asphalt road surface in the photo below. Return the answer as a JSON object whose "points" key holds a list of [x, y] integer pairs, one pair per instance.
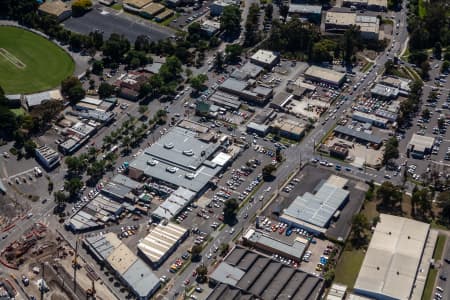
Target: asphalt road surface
{"points": [[109, 21]]}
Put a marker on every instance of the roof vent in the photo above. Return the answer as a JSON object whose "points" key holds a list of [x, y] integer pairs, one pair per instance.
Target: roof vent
{"points": [[390, 233], [171, 169], [409, 237], [152, 162], [398, 273], [190, 175], [188, 152], [378, 268], [203, 153], [168, 145]]}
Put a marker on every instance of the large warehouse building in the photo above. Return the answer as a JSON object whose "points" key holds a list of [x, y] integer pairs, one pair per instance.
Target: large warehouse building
{"points": [[328, 76], [313, 212], [245, 274], [397, 260], [179, 158], [160, 243], [131, 270]]}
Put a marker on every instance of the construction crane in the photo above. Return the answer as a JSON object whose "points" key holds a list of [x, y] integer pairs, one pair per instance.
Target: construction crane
{"points": [[90, 293], [75, 266]]}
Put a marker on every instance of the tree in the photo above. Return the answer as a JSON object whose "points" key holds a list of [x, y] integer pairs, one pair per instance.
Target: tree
{"points": [[421, 199], [389, 194], [359, 227], [198, 82], [97, 67], [142, 43], [29, 147], [390, 150], [229, 210], [224, 248], [350, 40], [426, 114], [96, 169], [75, 165], [437, 50], [115, 47], [233, 52], [321, 51], [445, 66], [230, 20], [267, 171], [202, 271], [443, 200], [143, 109], [284, 10], [441, 123], [170, 70], [105, 90], [97, 39], [60, 197], [79, 7], [71, 88], [195, 252], [73, 186], [269, 11]]}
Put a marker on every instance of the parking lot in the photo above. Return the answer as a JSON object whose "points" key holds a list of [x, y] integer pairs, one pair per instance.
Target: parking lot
{"points": [[109, 21], [307, 181]]}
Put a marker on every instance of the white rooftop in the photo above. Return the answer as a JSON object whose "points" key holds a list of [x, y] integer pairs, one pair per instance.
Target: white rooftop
{"points": [[391, 263]]}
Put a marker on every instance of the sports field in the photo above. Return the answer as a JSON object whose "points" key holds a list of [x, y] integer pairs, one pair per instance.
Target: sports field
{"points": [[30, 63]]}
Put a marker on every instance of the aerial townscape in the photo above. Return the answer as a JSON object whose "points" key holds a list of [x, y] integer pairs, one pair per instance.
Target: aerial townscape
{"points": [[225, 149]]}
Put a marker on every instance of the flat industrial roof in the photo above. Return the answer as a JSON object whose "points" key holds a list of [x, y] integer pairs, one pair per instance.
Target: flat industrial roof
{"points": [[153, 8], [179, 158], [173, 205], [320, 73], [55, 8], [305, 8], [264, 278], [384, 90], [295, 249], [372, 117], [393, 257], [138, 3], [161, 240], [132, 269], [265, 56], [225, 99], [358, 134], [234, 85], [340, 17], [421, 142], [318, 208]]}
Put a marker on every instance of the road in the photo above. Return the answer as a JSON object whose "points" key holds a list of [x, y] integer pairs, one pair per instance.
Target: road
{"points": [[300, 153]]}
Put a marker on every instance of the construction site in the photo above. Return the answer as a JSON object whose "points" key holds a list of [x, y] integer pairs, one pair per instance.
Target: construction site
{"points": [[41, 264]]}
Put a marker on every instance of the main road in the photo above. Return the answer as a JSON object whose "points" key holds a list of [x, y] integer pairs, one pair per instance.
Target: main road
{"points": [[304, 151]]}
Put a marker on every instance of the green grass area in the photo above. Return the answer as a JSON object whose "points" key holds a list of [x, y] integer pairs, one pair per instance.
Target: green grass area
{"points": [[18, 111], [439, 249], [117, 6], [429, 284], [367, 67], [30, 63], [348, 267], [422, 9]]}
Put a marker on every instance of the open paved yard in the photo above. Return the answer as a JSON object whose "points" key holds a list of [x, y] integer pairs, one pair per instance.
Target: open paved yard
{"points": [[108, 22]]}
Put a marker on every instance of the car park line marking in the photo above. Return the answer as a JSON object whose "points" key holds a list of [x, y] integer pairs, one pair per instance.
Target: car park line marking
{"points": [[18, 174]]}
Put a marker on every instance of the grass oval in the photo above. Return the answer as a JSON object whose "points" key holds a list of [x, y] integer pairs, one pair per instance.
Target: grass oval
{"points": [[31, 63]]}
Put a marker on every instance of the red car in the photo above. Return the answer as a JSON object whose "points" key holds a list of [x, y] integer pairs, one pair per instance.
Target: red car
{"points": [[186, 282], [221, 218], [194, 273]]}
